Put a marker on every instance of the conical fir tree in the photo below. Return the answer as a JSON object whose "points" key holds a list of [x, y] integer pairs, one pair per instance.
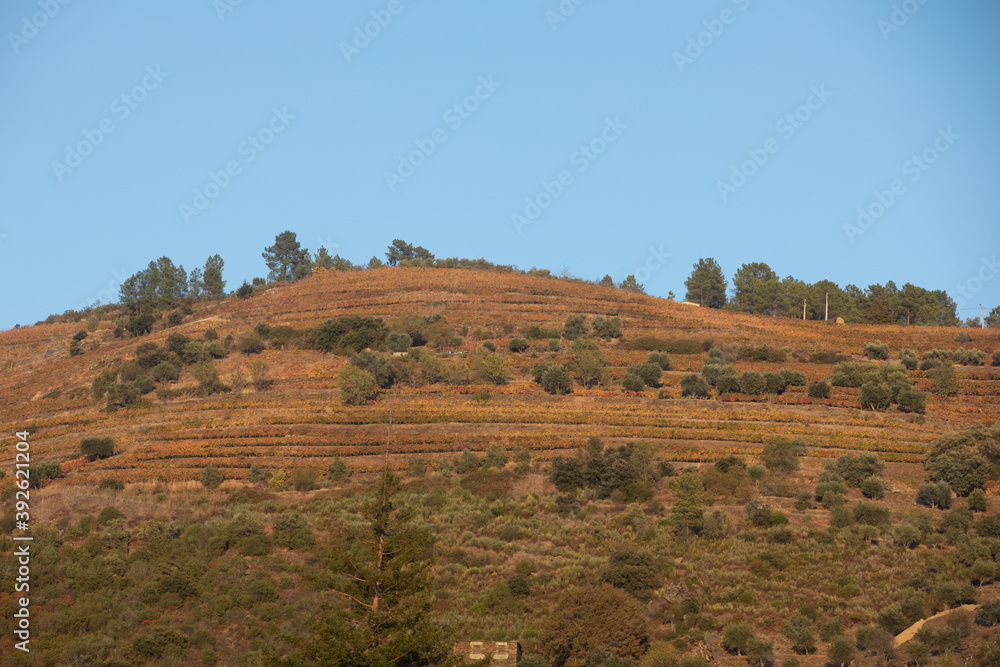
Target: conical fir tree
{"points": [[380, 573]]}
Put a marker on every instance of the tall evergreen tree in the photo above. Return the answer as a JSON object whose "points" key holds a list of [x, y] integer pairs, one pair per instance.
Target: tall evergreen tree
{"points": [[380, 574], [171, 281], [688, 512], [212, 283], [706, 286], [322, 259], [745, 282], [286, 259], [195, 283], [137, 293], [630, 284], [993, 318], [401, 250], [881, 304]]}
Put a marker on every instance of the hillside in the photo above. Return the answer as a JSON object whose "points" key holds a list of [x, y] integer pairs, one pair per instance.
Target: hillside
{"points": [[301, 421], [294, 428]]}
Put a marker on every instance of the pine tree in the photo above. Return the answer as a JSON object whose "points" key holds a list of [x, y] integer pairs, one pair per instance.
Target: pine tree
{"points": [[706, 286], [630, 284], [212, 284], [688, 513], [195, 283], [381, 574], [745, 283], [401, 250], [322, 259], [287, 259]]}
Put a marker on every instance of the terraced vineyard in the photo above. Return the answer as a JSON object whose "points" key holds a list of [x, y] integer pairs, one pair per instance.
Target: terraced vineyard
{"points": [[300, 421], [180, 569]]}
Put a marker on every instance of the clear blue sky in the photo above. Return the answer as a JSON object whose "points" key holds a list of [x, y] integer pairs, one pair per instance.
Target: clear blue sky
{"points": [[198, 80]]}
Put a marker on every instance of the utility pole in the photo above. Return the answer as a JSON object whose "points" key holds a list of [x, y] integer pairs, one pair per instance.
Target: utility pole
{"points": [[827, 315], [803, 310]]}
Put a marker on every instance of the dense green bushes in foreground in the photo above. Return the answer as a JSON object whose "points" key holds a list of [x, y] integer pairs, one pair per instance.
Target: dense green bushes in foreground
{"points": [[726, 556]]}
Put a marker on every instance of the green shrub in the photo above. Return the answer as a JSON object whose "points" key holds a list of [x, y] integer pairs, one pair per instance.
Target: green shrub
{"points": [[728, 383], [535, 332], [357, 386], [291, 531], [649, 372], [155, 643], [354, 333], [871, 514], [518, 345], [673, 346], [144, 384], [632, 571], [937, 495], [661, 359], [953, 593], [753, 383], [988, 613], [855, 374], [875, 396], [378, 365], [776, 383], [111, 484], [303, 479], [249, 343], [799, 631], [538, 371], [977, 500], [95, 448], [715, 369], [666, 469], [399, 341], [794, 378], [262, 589], [166, 372], [963, 459], [736, 637], [212, 477], [258, 474], [339, 470], [694, 385], [944, 382], [575, 326], [873, 487], [607, 328], [193, 352], [969, 357], [557, 380], [102, 382], [43, 472], [877, 350], [782, 454], [489, 367], [856, 468], [758, 513], [912, 400], [216, 349], [632, 382], [109, 514], [819, 390]]}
